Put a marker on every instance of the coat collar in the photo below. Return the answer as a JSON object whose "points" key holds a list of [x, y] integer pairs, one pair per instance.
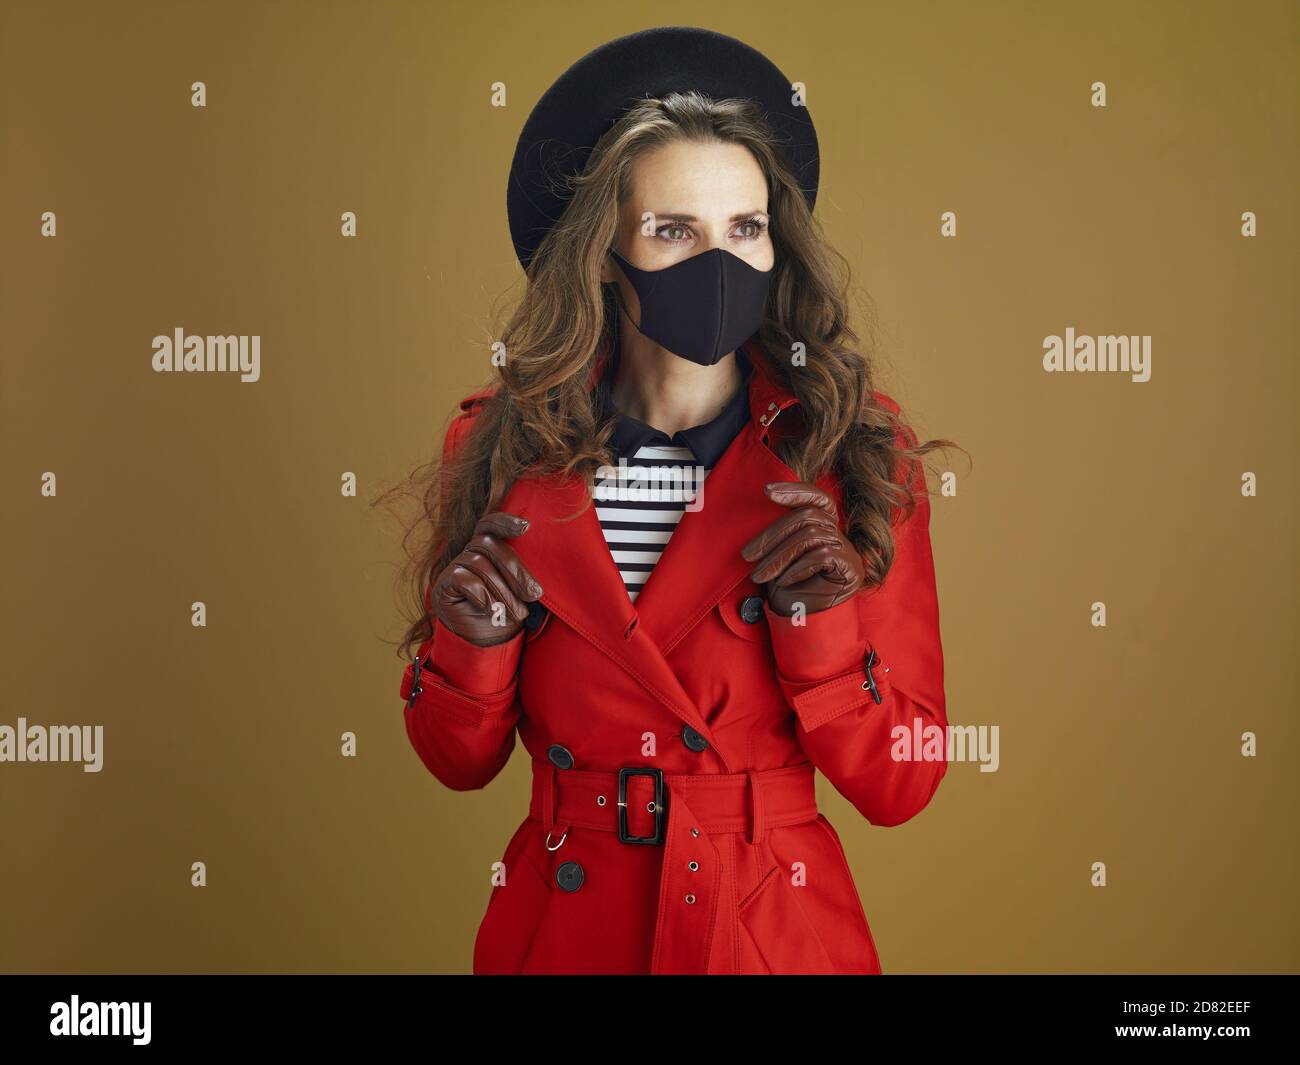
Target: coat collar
{"points": [[706, 442], [767, 395], [699, 567]]}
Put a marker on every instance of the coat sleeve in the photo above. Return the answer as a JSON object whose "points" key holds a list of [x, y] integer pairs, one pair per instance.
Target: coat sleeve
{"points": [[462, 719], [864, 748], [461, 703]]}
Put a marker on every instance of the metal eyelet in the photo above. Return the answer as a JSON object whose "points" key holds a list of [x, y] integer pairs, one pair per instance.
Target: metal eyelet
{"points": [[690, 900], [600, 800], [694, 867]]}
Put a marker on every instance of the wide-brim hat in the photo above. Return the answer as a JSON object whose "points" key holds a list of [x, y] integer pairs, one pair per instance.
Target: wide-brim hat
{"points": [[589, 97]]}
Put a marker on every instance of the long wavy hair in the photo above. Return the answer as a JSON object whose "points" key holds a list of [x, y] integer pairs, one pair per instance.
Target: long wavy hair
{"points": [[543, 418]]}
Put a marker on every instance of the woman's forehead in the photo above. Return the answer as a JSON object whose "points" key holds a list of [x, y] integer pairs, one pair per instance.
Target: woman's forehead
{"points": [[708, 179]]}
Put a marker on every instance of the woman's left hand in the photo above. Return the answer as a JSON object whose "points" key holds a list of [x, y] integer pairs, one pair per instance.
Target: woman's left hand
{"points": [[802, 556]]}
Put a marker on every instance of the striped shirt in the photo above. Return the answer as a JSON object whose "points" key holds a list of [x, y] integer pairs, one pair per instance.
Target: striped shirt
{"points": [[657, 478]]}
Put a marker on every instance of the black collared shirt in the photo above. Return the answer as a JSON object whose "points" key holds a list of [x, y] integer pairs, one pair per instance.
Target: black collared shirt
{"points": [[638, 523], [706, 442]]}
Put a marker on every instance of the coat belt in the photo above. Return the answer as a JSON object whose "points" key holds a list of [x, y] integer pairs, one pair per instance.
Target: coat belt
{"points": [[696, 930]]}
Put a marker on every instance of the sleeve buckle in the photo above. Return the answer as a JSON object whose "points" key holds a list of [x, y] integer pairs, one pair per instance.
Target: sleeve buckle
{"points": [[870, 683]]}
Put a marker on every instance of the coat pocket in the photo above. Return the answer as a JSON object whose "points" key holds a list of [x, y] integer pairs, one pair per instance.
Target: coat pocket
{"points": [[779, 930], [514, 911]]}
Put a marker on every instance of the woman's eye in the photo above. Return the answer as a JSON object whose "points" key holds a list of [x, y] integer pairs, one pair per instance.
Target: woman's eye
{"points": [[678, 233], [674, 233]]}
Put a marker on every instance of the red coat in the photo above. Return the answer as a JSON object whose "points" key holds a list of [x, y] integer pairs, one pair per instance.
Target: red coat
{"points": [[733, 704]]}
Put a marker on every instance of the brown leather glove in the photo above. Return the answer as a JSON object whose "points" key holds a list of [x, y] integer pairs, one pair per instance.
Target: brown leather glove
{"points": [[802, 555], [486, 573]]}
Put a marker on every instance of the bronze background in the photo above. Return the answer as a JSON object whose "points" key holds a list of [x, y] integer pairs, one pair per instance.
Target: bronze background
{"points": [[222, 744]]}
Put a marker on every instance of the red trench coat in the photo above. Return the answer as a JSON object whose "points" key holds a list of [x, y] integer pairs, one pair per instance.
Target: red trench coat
{"points": [[735, 707]]}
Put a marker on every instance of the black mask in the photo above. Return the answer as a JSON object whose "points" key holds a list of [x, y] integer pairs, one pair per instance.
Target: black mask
{"points": [[701, 308]]}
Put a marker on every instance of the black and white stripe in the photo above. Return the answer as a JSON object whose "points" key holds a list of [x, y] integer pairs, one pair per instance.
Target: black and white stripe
{"points": [[638, 530]]}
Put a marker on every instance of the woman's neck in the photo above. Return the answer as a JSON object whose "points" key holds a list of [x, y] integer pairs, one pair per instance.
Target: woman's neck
{"points": [[668, 392]]}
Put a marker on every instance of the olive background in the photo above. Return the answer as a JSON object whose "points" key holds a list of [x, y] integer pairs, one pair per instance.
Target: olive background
{"points": [[1118, 744]]}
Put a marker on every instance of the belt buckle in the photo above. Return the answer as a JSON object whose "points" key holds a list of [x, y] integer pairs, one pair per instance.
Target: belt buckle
{"points": [[660, 804]]}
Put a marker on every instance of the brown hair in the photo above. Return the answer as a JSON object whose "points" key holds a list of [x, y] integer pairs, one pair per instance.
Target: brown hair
{"points": [[543, 416]]}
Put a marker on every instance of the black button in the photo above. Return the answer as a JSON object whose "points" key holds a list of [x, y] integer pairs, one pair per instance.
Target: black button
{"points": [[559, 756], [536, 615], [570, 876], [751, 610], [694, 740]]}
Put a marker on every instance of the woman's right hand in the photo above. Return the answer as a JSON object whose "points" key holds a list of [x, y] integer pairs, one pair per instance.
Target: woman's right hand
{"points": [[483, 593]]}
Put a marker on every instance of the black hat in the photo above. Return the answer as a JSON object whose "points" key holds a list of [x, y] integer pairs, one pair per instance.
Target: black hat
{"points": [[589, 97]]}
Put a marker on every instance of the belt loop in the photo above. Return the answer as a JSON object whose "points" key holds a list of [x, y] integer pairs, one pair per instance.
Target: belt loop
{"points": [[756, 799], [548, 798]]}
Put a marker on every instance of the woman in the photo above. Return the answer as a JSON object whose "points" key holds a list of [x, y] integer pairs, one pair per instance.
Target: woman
{"points": [[678, 663]]}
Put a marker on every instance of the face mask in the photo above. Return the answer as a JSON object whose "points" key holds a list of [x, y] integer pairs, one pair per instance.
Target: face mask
{"points": [[701, 308]]}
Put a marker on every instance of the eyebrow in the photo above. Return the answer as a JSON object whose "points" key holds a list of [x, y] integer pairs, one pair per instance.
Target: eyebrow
{"points": [[691, 218]]}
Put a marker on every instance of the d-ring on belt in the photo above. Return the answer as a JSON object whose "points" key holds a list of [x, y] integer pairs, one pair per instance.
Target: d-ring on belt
{"points": [[679, 812]]}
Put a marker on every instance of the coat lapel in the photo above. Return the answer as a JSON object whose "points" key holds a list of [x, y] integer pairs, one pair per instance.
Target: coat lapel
{"points": [[583, 588], [701, 563], [699, 566]]}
